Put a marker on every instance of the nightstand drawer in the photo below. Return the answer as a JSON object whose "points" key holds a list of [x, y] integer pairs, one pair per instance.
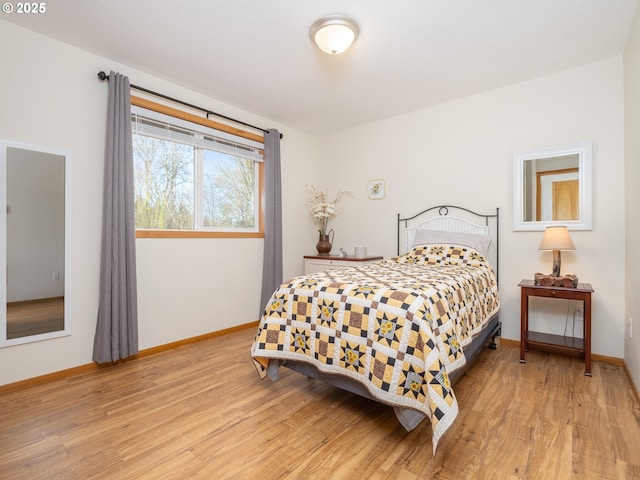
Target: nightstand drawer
{"points": [[557, 293], [318, 263]]}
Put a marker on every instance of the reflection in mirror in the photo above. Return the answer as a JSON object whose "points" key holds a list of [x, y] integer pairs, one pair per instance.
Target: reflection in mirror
{"points": [[34, 254], [553, 187]]}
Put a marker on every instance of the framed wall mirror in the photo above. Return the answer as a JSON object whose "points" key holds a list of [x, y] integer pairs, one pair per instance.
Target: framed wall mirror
{"points": [[552, 186], [35, 247]]}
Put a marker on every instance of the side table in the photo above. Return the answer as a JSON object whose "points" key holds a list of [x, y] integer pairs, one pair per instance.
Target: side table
{"points": [[559, 343]]}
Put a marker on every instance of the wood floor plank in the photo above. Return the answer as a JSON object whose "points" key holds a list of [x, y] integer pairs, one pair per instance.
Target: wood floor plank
{"points": [[200, 411], [625, 470]]}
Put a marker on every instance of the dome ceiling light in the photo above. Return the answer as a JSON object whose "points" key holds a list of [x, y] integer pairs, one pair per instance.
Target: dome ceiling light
{"points": [[334, 34]]}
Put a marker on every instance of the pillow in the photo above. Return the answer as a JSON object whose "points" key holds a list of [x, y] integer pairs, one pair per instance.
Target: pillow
{"points": [[473, 240], [442, 254]]}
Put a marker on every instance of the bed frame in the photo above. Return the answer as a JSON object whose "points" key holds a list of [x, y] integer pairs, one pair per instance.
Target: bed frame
{"points": [[434, 218]]}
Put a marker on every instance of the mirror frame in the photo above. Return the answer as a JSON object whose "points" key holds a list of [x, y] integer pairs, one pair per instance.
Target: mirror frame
{"points": [[584, 222], [4, 146]]}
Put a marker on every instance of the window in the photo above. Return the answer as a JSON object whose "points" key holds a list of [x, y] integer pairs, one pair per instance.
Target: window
{"points": [[193, 180]]}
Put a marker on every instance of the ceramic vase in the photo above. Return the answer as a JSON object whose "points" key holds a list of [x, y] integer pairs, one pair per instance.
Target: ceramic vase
{"points": [[324, 242]]}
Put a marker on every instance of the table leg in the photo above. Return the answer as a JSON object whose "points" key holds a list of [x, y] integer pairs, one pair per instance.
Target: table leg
{"points": [[524, 323], [587, 334]]}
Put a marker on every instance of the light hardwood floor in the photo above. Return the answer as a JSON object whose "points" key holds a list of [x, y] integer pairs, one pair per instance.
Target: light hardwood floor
{"points": [[201, 412]]}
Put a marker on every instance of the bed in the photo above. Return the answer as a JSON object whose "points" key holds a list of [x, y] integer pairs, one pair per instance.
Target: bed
{"points": [[398, 330]]}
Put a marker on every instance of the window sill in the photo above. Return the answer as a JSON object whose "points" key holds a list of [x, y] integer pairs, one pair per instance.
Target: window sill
{"points": [[195, 234]]}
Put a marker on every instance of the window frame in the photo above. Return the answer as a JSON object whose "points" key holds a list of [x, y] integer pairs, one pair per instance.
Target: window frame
{"points": [[182, 115]]}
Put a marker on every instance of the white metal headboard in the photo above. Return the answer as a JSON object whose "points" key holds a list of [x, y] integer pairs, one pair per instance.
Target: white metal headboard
{"points": [[445, 224], [438, 218]]}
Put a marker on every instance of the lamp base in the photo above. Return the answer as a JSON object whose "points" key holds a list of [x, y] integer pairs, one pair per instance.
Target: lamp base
{"points": [[567, 281], [556, 263]]}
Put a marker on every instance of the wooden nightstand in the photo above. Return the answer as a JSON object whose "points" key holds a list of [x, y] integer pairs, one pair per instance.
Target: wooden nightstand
{"points": [[319, 263], [559, 343]]}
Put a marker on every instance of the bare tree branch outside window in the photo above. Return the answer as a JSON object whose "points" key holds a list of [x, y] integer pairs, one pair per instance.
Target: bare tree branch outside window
{"points": [[229, 190], [164, 184], [165, 187]]}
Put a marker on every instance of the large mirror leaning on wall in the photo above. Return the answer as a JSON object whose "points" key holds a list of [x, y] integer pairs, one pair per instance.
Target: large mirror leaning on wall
{"points": [[552, 186], [35, 234]]}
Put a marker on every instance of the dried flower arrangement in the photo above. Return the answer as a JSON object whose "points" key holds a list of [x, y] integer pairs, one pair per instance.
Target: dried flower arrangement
{"points": [[322, 209]]}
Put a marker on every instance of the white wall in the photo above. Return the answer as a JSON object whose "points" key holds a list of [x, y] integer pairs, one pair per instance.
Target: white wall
{"points": [[50, 96], [632, 179], [461, 153]]}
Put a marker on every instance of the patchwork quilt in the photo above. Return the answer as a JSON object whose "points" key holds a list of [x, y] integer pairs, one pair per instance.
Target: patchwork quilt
{"points": [[398, 326]]}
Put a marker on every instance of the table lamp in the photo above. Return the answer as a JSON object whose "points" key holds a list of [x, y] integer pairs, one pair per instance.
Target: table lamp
{"points": [[556, 239]]}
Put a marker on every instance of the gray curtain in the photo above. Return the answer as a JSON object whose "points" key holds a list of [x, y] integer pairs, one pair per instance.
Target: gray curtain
{"points": [[272, 264], [117, 326]]}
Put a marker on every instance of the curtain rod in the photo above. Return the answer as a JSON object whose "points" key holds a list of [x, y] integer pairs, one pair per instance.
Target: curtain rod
{"points": [[104, 76]]}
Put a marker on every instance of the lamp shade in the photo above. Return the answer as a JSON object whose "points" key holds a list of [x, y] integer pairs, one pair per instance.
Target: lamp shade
{"points": [[556, 238], [334, 34]]}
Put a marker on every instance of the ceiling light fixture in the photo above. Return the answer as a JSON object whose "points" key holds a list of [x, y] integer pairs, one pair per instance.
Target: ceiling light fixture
{"points": [[333, 34]]}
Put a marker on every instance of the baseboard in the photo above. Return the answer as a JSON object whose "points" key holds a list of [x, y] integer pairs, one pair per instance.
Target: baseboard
{"points": [[89, 367], [49, 377], [33, 301], [508, 341], [594, 357], [187, 341], [633, 384], [603, 358]]}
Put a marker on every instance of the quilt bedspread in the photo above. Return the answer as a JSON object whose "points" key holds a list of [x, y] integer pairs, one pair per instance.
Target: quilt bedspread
{"points": [[398, 326]]}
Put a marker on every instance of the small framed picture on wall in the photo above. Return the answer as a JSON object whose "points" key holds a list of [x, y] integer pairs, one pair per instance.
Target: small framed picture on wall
{"points": [[376, 189]]}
